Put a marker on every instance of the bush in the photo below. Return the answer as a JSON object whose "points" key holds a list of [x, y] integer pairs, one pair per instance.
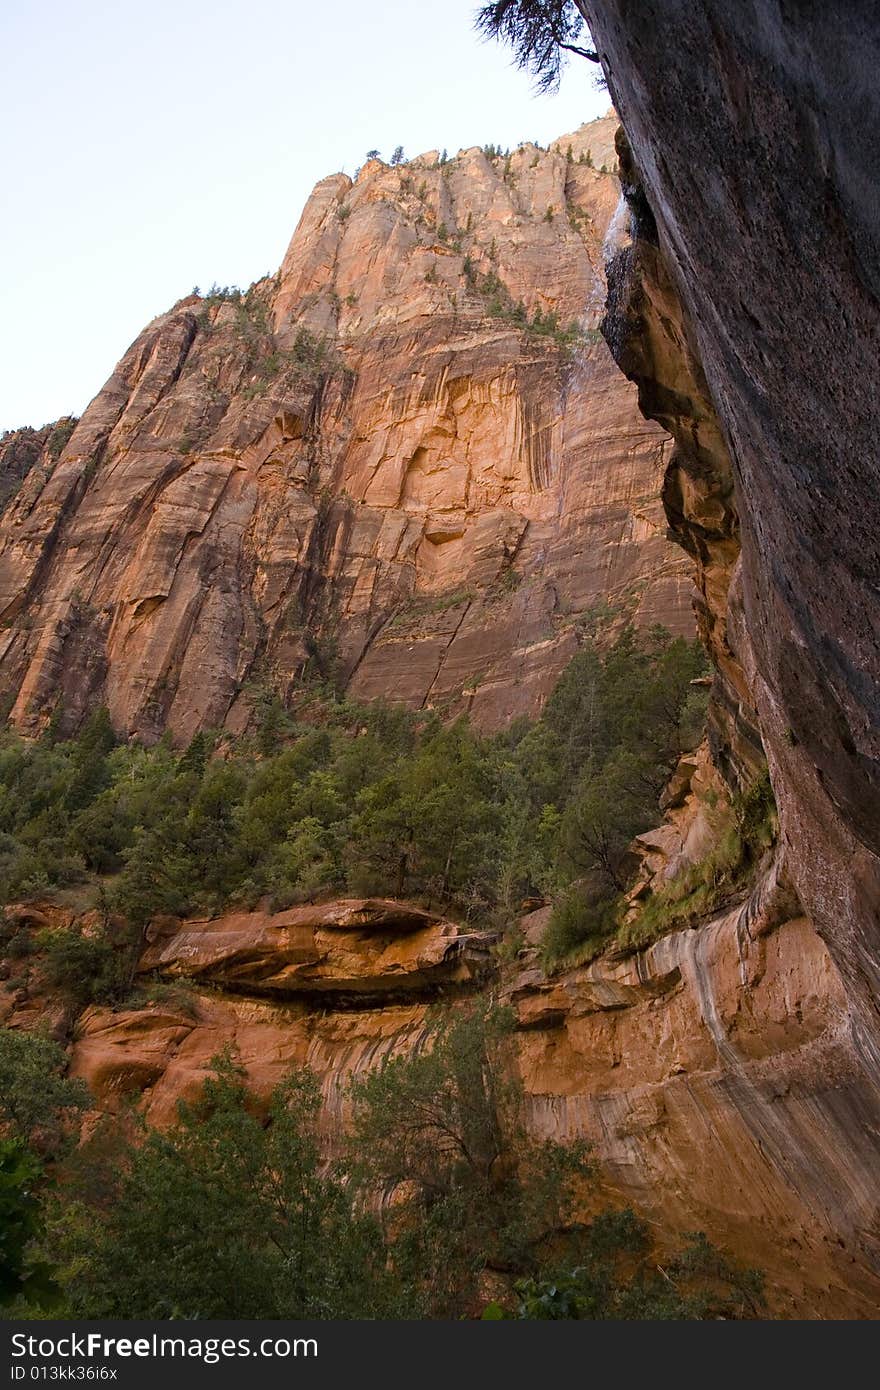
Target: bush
{"points": [[38, 1104], [441, 1130], [60, 435], [699, 1282], [21, 1224], [744, 831], [177, 995], [223, 1216], [94, 968], [579, 928]]}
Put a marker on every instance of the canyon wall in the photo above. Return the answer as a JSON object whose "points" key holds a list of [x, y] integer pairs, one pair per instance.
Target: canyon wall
{"points": [[437, 498], [405, 463], [745, 307], [748, 127], [712, 1072]]}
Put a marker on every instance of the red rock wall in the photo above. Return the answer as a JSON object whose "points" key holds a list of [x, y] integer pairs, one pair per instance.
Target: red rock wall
{"points": [[429, 511]]}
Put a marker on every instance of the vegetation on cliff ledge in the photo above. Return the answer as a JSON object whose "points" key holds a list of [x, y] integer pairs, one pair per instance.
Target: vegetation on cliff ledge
{"points": [[438, 1204], [339, 798]]}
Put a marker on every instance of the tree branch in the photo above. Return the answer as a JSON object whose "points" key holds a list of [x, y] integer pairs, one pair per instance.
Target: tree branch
{"points": [[581, 52]]}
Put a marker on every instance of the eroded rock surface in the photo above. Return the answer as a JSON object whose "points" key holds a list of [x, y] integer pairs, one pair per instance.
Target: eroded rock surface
{"points": [[746, 309], [367, 469], [748, 129], [714, 1075], [711, 1072], [355, 948]]}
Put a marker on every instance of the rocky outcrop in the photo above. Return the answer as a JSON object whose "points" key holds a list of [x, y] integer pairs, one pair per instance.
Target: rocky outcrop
{"points": [[776, 260], [650, 337], [391, 465], [745, 306], [432, 497], [334, 986], [714, 1075], [711, 1072], [365, 950], [163, 1054], [21, 450]]}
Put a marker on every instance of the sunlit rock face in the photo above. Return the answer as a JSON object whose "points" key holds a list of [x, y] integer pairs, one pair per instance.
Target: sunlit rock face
{"points": [[443, 512], [711, 1072], [334, 986], [370, 469], [352, 950]]}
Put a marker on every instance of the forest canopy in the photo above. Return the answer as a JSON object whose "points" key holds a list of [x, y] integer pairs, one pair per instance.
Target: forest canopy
{"points": [[346, 799]]}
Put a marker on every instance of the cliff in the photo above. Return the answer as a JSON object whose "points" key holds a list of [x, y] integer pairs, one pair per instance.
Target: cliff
{"points": [[745, 308], [776, 263], [727, 1072], [405, 463], [711, 1072]]}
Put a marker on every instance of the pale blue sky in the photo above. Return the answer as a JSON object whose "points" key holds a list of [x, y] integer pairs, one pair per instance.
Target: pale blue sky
{"points": [[150, 148]]}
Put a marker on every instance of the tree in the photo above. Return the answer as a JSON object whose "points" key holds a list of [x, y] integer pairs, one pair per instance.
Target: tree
{"points": [[211, 833], [38, 1103], [157, 878], [225, 1216], [302, 865], [94, 967], [618, 1277], [540, 32], [611, 804], [195, 758], [39, 1108], [101, 832], [440, 1131], [21, 1275], [90, 749], [429, 821], [398, 155], [372, 154]]}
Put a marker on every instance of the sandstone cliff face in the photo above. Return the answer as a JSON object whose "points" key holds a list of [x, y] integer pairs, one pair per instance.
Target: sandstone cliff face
{"points": [[334, 986], [714, 1077], [746, 309], [776, 260], [711, 1072], [367, 467], [726, 1075], [21, 450]]}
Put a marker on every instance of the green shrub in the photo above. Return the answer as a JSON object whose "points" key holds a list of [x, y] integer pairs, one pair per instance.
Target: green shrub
{"points": [[326, 796], [224, 1216], [39, 1105], [21, 1277], [177, 995], [579, 928], [618, 1277], [88, 969], [744, 831], [60, 435]]}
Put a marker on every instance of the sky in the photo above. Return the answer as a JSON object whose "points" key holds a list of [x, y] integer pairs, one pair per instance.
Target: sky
{"points": [[151, 148]]}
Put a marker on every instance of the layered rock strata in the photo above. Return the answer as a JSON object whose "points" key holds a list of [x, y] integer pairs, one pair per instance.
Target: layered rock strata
{"points": [[727, 1074], [775, 259], [746, 309], [711, 1071], [391, 465]]}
